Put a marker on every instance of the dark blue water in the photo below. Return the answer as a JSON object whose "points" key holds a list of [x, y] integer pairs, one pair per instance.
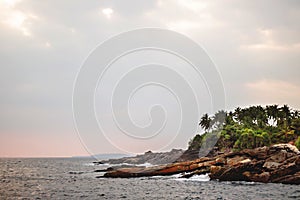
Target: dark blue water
{"points": [[75, 178]]}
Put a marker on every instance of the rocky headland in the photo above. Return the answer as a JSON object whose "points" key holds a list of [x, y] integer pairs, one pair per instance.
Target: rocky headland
{"points": [[255, 143], [278, 163]]}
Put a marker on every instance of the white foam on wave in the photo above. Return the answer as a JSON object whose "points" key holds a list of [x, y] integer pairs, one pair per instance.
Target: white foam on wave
{"points": [[201, 178], [101, 173], [176, 176], [125, 164], [88, 164], [145, 165]]}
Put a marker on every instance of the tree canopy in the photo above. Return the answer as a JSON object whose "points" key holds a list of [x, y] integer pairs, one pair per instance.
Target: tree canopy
{"points": [[251, 127]]}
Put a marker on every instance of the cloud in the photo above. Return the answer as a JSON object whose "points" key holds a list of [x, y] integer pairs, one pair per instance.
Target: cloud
{"points": [[255, 45], [184, 16], [107, 12], [274, 91], [269, 43], [15, 18]]}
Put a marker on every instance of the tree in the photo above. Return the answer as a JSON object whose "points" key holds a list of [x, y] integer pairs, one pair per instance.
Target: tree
{"points": [[285, 117], [238, 115], [219, 119], [266, 139], [272, 112], [229, 118], [250, 127], [295, 125], [261, 116], [295, 114], [196, 142], [205, 122]]}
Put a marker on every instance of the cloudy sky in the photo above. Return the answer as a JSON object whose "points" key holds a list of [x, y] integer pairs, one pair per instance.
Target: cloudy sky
{"points": [[255, 45]]}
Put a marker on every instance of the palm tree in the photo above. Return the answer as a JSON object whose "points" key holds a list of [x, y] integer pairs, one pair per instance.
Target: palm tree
{"points": [[286, 116], [249, 116], [261, 116], [205, 122], [295, 125], [219, 118], [229, 118], [295, 114], [273, 113], [238, 114]]}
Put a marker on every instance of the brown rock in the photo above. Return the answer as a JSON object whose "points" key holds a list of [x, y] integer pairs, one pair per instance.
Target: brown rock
{"points": [[289, 179], [235, 160], [216, 171], [262, 177], [220, 161], [271, 165]]}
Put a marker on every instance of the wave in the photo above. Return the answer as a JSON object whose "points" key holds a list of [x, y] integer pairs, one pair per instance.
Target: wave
{"points": [[123, 164], [201, 178]]}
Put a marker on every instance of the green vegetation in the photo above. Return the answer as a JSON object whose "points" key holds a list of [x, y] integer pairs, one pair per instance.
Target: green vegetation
{"points": [[297, 143], [251, 127]]}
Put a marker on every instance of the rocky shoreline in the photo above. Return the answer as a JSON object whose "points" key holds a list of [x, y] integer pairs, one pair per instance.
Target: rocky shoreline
{"points": [[277, 164], [148, 157]]}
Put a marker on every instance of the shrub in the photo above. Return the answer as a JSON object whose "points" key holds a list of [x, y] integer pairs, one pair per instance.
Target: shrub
{"points": [[297, 143]]}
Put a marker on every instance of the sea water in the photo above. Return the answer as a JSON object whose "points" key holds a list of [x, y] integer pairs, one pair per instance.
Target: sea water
{"points": [[69, 178]]}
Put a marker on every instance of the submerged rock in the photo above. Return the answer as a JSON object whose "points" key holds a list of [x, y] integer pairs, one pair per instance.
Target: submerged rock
{"points": [[278, 163]]}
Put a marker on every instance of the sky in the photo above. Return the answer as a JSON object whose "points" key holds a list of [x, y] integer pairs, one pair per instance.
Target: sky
{"points": [[254, 44]]}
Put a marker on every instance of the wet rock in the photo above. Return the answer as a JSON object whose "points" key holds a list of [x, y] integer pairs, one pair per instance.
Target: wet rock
{"points": [[76, 172], [98, 163], [262, 177], [100, 170]]}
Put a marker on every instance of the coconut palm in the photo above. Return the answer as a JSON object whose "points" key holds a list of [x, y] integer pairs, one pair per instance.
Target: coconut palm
{"points": [[273, 113], [205, 122], [261, 116], [285, 114], [219, 118], [238, 114]]}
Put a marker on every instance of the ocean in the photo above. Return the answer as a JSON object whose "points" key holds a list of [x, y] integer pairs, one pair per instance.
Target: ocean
{"points": [[69, 178]]}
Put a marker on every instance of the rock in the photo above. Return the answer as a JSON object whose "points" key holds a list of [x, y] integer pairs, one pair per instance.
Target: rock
{"points": [[204, 170], [279, 157], [288, 147], [216, 171], [220, 161], [149, 157], [162, 170], [100, 170], [98, 163], [76, 172], [188, 155], [245, 161], [289, 179], [271, 165], [235, 160], [148, 152], [262, 177]]}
